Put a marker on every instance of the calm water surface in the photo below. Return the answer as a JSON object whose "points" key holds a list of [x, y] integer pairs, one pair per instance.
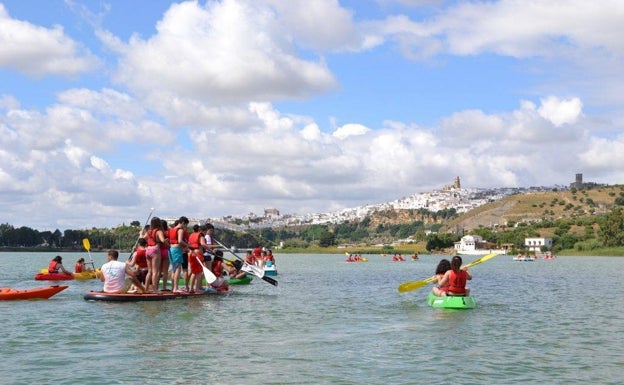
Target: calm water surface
{"points": [[328, 322]]}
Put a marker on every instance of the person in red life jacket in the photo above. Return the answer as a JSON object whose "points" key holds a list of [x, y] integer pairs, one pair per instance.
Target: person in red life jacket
{"points": [[79, 267], [138, 260], [456, 278], [250, 258], [269, 259], [443, 266], [155, 237], [178, 240], [217, 269], [56, 266], [257, 253], [196, 241]]}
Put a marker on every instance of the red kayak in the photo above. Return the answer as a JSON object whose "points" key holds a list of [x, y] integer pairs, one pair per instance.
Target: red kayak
{"points": [[7, 293], [53, 277]]}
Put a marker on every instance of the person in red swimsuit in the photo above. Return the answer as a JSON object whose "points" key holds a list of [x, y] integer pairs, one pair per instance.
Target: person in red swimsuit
{"points": [[456, 278]]}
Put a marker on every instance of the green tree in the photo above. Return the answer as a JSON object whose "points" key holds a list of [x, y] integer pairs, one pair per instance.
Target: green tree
{"points": [[613, 230], [327, 239]]}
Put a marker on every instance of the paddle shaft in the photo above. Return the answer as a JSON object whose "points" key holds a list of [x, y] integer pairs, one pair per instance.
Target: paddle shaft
{"points": [[261, 276], [87, 245], [139, 237]]}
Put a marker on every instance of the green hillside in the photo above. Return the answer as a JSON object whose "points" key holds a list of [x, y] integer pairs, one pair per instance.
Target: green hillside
{"points": [[538, 206]]}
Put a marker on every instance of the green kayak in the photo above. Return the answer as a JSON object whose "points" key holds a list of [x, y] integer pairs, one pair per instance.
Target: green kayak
{"points": [[235, 281], [240, 281], [451, 302]]}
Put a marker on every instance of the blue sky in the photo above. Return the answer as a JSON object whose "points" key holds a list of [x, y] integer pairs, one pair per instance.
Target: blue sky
{"points": [[206, 109]]}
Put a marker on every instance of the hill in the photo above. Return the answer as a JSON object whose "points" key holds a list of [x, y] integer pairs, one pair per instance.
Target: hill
{"points": [[536, 206]]}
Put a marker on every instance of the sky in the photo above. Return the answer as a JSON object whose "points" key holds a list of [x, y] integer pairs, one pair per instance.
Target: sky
{"points": [[109, 109]]}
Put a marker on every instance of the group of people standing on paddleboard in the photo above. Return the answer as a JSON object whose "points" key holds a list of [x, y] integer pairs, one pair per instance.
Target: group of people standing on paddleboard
{"points": [[451, 278], [164, 253]]}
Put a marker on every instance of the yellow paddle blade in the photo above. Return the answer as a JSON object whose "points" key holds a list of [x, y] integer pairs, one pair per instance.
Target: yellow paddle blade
{"points": [[86, 244], [480, 260], [409, 286]]}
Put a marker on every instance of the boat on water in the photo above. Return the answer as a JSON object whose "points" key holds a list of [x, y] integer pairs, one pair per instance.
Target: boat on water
{"points": [[7, 293], [43, 275], [270, 269], [355, 258], [160, 296], [525, 258], [53, 277], [451, 302]]}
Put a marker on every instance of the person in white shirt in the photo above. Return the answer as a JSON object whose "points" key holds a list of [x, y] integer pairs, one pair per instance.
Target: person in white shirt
{"points": [[113, 274]]}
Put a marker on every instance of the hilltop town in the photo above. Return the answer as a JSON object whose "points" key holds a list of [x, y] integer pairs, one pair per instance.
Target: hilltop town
{"points": [[452, 196]]}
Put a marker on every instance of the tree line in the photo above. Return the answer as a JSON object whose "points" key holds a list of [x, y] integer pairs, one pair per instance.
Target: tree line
{"points": [[582, 233]]}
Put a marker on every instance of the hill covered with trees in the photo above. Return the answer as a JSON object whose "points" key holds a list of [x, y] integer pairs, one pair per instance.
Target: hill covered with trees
{"points": [[577, 219]]}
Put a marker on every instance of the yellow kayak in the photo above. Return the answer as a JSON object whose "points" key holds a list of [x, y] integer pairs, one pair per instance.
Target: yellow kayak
{"points": [[91, 274]]}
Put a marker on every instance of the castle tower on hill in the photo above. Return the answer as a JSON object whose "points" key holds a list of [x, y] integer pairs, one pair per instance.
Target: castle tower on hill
{"points": [[456, 183], [455, 186]]}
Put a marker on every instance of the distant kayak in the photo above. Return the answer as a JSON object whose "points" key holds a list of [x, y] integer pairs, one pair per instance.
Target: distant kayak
{"points": [[7, 293], [136, 297], [451, 302]]}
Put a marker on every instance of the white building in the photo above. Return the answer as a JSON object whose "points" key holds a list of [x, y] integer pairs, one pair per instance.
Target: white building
{"points": [[535, 244], [476, 245]]}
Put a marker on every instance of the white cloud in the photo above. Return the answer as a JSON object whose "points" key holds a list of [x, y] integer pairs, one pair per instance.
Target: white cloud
{"points": [[350, 130], [561, 112], [40, 51], [232, 51]]}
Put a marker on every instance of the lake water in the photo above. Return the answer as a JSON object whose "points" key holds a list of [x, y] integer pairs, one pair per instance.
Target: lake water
{"points": [[328, 322]]}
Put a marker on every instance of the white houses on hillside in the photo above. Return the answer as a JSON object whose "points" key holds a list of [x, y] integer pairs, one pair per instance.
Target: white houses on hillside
{"points": [[535, 244]]}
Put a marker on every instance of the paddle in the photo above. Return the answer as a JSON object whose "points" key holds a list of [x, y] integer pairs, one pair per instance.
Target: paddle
{"points": [[210, 277], [254, 270], [87, 246], [137, 241], [414, 285]]}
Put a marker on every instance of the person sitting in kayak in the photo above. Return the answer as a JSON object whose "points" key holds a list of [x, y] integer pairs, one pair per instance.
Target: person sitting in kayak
{"points": [[217, 269], [234, 269], [443, 266], [250, 258], [56, 266], [456, 278], [79, 267]]}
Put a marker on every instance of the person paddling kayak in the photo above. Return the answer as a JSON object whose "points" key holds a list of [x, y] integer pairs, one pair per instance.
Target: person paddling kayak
{"points": [[56, 266], [456, 278]]}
